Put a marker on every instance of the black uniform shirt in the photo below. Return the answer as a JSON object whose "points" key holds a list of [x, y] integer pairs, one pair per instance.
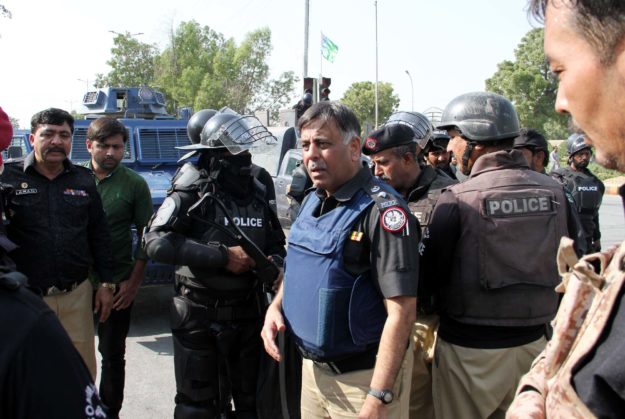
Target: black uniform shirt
{"points": [[392, 258], [41, 373], [59, 224]]}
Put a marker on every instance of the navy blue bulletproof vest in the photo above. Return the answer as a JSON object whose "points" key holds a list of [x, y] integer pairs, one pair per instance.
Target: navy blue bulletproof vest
{"points": [[331, 312]]}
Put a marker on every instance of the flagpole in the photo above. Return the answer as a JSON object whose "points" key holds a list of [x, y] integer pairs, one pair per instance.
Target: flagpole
{"points": [[320, 67], [306, 27], [376, 63]]}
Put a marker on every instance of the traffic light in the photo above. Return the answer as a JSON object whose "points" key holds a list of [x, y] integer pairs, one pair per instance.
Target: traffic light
{"points": [[324, 89], [309, 85]]}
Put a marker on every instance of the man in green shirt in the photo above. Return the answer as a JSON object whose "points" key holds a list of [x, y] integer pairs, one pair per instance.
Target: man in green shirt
{"points": [[127, 202]]}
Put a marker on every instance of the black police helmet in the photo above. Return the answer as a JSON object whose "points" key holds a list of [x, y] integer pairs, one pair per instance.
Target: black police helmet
{"points": [[481, 117], [196, 124], [531, 138], [439, 141], [307, 99], [576, 143], [210, 137], [419, 123]]}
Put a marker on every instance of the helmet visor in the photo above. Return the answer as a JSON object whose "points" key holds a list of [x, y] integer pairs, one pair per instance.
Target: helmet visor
{"points": [[240, 134]]}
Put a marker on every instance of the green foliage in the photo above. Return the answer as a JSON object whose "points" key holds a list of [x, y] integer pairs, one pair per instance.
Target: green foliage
{"points": [[201, 68], [4, 12], [603, 173], [528, 83], [132, 63], [15, 123], [360, 98], [275, 95]]}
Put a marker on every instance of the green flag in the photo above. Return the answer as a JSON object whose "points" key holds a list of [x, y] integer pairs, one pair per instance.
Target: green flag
{"points": [[328, 48]]}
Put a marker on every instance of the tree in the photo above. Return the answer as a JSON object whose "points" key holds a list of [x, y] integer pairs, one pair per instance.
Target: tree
{"points": [[132, 63], [15, 123], [4, 12], [528, 83], [202, 69], [360, 98], [275, 95]]}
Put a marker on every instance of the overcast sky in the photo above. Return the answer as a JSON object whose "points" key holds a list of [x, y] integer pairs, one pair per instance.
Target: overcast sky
{"points": [[52, 50]]}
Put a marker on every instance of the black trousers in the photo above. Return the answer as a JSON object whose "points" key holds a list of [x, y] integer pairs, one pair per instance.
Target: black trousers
{"points": [[112, 346], [214, 360]]}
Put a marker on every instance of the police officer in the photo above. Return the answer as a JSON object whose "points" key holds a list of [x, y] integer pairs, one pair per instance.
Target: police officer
{"points": [[349, 290], [436, 154], [393, 150], [216, 313], [489, 254], [303, 104], [41, 373], [534, 147], [586, 188]]}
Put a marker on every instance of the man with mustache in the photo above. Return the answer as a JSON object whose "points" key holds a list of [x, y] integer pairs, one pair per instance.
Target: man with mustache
{"points": [[55, 216], [127, 203], [581, 372], [586, 188], [350, 283], [394, 150]]}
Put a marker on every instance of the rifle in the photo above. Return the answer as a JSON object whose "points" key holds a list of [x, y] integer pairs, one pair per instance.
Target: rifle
{"points": [[266, 270]]}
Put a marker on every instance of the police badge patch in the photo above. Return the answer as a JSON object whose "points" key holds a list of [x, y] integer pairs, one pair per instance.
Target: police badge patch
{"points": [[394, 219], [371, 143]]}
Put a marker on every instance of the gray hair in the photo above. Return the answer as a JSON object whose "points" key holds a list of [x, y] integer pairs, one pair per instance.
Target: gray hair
{"points": [[344, 118]]}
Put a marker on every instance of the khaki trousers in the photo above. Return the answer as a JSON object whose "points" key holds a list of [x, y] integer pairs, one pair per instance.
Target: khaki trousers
{"points": [[326, 395], [424, 339], [75, 312], [471, 383]]}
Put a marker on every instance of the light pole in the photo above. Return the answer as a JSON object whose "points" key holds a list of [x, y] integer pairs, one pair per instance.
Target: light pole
{"points": [[375, 3], [411, 91]]}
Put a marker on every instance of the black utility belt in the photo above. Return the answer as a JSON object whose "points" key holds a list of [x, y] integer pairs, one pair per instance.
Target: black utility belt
{"points": [[360, 361], [208, 298], [54, 290], [221, 309]]}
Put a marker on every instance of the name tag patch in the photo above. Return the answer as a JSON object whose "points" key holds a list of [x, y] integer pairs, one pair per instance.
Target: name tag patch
{"points": [[26, 191], [75, 192], [518, 206]]}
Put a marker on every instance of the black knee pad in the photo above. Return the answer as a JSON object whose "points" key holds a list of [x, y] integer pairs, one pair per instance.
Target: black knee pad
{"points": [[185, 410], [197, 376]]}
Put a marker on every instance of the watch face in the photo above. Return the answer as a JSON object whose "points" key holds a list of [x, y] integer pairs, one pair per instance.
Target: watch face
{"points": [[387, 396]]}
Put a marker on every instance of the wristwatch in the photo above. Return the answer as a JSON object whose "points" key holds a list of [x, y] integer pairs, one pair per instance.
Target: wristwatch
{"points": [[386, 396], [108, 285]]}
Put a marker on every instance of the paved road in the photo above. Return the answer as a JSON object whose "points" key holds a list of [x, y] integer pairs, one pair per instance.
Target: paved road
{"points": [[150, 383]]}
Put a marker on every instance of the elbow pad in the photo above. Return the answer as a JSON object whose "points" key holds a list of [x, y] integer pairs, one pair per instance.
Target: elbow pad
{"points": [[175, 249]]}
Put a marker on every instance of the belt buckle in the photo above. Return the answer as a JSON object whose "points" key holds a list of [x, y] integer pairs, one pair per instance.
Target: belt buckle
{"points": [[53, 290]]}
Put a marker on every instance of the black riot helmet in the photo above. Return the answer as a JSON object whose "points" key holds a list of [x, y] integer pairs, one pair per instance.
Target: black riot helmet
{"points": [[196, 124], [419, 123], [230, 130], [576, 143], [481, 117], [439, 141]]}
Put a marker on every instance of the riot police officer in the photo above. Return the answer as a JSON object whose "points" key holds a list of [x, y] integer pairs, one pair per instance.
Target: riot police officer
{"points": [[586, 188], [489, 256], [216, 313]]}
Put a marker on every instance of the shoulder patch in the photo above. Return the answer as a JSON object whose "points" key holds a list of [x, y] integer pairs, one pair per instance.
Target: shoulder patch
{"points": [[394, 219]]}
